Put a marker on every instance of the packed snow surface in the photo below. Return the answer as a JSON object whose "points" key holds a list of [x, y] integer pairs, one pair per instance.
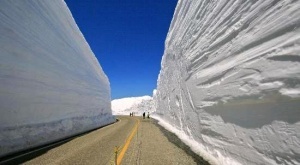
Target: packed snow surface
{"points": [[230, 80], [51, 84], [137, 105]]}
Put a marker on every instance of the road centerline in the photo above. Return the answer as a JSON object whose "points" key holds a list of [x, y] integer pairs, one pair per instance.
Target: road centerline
{"points": [[128, 140]]}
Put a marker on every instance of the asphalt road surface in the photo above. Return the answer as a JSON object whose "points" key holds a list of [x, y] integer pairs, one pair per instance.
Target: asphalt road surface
{"points": [[153, 144], [139, 141]]}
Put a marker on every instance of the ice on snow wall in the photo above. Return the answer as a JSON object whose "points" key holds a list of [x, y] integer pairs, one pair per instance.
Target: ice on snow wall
{"points": [[51, 84], [230, 79]]}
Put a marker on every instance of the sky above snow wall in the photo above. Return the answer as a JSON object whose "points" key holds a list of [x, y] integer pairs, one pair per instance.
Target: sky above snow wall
{"points": [[230, 80], [127, 36], [52, 85]]}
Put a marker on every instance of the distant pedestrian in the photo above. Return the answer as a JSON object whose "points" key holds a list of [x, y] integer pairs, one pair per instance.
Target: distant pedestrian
{"points": [[148, 116], [144, 114]]}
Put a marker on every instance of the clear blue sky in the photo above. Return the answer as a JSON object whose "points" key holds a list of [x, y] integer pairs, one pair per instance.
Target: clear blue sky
{"points": [[127, 37]]}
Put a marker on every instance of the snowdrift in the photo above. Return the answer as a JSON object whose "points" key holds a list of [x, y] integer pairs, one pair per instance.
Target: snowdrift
{"points": [[138, 105], [51, 84], [230, 80]]}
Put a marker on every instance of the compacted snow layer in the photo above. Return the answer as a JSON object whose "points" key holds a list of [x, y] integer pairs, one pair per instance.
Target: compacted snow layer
{"points": [[51, 84], [138, 105], [230, 79]]}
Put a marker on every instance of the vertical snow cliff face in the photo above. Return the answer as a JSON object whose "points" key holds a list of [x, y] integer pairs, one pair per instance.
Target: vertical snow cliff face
{"points": [[51, 84], [230, 79]]}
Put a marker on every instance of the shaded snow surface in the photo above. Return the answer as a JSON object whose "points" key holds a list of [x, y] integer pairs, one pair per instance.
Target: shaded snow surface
{"points": [[138, 105], [229, 83], [51, 84]]}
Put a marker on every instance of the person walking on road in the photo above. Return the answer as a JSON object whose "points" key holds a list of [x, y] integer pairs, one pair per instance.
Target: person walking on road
{"points": [[144, 115]]}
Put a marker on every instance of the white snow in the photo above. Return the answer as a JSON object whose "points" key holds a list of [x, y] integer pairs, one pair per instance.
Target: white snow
{"points": [[138, 105], [230, 80], [51, 84]]}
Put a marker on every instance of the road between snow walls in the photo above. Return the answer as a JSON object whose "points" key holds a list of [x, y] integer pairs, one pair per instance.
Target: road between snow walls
{"points": [[229, 83]]}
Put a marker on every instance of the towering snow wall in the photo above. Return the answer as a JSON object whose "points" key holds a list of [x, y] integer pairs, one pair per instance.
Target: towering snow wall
{"points": [[51, 84], [230, 79]]}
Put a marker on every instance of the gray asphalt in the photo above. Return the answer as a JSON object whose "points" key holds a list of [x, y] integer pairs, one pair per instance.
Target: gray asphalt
{"points": [[96, 147], [150, 145], [155, 145]]}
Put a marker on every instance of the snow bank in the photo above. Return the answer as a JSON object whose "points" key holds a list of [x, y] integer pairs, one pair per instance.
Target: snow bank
{"points": [[51, 84], [138, 105], [230, 79]]}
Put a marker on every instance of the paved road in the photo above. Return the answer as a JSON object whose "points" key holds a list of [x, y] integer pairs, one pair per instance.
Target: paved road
{"points": [[155, 145], [96, 147], [149, 145]]}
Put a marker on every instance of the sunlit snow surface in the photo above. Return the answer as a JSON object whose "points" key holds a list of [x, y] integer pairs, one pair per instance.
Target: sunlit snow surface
{"points": [[230, 80], [51, 84], [137, 105]]}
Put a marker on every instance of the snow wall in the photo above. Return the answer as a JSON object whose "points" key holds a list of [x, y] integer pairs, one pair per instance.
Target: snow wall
{"points": [[230, 80], [51, 84]]}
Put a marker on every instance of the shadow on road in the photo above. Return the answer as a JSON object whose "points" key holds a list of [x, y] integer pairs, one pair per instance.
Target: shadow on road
{"points": [[31, 153], [24, 156], [176, 141]]}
